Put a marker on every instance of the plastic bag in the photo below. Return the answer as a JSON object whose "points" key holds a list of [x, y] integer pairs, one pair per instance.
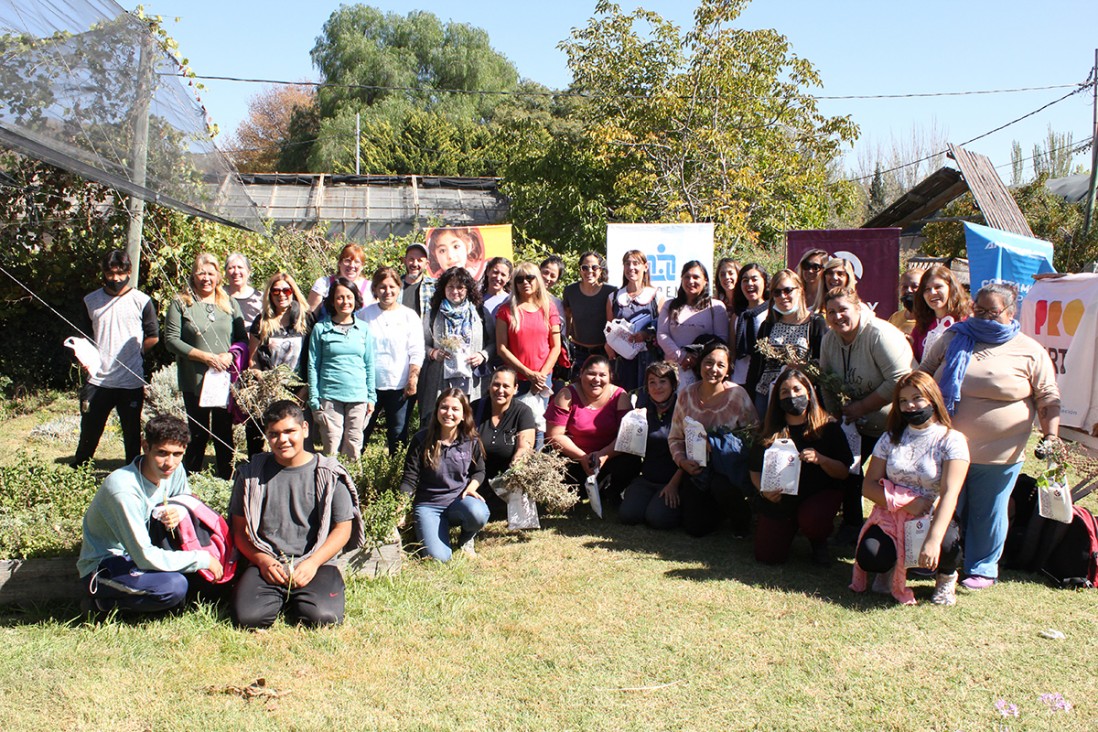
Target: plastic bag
{"points": [[522, 512], [854, 439], [781, 472], [537, 404], [1054, 500], [456, 366], [591, 485], [915, 531], [618, 334], [633, 433], [86, 353], [697, 441]]}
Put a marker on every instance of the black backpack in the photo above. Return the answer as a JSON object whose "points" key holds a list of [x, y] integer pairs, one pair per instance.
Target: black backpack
{"points": [[1066, 554]]}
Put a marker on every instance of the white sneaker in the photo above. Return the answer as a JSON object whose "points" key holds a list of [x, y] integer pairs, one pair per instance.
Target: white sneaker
{"points": [[468, 549], [945, 590], [882, 583]]}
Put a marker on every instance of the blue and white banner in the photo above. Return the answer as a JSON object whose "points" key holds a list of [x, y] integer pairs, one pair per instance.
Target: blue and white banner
{"points": [[999, 256], [667, 246]]}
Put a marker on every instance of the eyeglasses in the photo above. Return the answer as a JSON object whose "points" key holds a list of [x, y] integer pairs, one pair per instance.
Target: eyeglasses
{"points": [[985, 314], [784, 291], [349, 262], [811, 267], [590, 267], [278, 291], [525, 278]]}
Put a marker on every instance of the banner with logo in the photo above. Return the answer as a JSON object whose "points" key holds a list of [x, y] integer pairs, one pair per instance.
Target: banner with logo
{"points": [[667, 246], [999, 256], [1062, 315], [874, 254], [466, 246]]}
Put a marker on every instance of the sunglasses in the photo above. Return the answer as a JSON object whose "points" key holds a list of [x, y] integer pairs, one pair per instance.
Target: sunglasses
{"points": [[786, 291], [812, 267], [525, 278], [590, 267], [281, 291]]}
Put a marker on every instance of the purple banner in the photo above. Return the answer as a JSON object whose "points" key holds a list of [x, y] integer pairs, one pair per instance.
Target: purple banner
{"points": [[874, 253]]}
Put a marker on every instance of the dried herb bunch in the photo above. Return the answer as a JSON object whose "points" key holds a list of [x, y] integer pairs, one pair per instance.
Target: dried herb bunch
{"points": [[838, 391], [256, 390], [541, 477]]}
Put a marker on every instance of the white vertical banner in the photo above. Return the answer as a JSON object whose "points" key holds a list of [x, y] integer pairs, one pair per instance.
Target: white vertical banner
{"points": [[667, 246]]}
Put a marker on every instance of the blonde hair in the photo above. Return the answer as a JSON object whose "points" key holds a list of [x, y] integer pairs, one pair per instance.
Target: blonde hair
{"points": [[795, 279], [221, 298], [269, 320], [539, 298]]}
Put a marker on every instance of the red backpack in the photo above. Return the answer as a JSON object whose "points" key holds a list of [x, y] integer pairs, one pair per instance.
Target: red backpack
{"points": [[203, 529]]}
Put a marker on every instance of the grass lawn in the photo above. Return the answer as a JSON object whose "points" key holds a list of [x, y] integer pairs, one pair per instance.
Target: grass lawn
{"points": [[583, 625]]}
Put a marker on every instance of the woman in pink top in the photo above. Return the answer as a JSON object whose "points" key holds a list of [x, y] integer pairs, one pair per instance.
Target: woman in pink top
{"points": [[718, 405], [528, 330], [940, 301], [582, 424]]}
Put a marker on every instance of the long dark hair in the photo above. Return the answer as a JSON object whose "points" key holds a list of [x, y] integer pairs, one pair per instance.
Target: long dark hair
{"points": [[928, 389], [467, 430], [776, 427], [488, 268], [738, 298], [680, 298], [472, 292]]}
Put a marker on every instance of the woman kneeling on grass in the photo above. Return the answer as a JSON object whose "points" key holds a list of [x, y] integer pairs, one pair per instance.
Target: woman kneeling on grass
{"points": [[442, 472], [917, 471], [795, 414]]}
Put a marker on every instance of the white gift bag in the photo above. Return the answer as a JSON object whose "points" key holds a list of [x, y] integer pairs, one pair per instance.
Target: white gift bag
{"points": [[215, 389], [522, 513], [617, 333], [591, 485], [915, 531], [697, 441], [86, 353], [781, 472], [633, 433], [537, 404], [1054, 501], [854, 439], [456, 366]]}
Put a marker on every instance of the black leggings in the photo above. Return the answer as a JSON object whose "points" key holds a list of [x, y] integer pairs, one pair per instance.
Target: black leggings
{"points": [[877, 552]]}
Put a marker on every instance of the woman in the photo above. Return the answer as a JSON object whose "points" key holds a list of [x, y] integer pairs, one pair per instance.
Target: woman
{"points": [[397, 331], [653, 497], [461, 246], [836, 273], [585, 309], [940, 302], [709, 496], [238, 273], [728, 275], [442, 472], [506, 430], [349, 264], [495, 288], [279, 337], [809, 268], [868, 357], [691, 317], [918, 468], [457, 329], [904, 318], [637, 302], [340, 372], [201, 326], [751, 310], [582, 423], [528, 331], [789, 324], [794, 413], [994, 380]]}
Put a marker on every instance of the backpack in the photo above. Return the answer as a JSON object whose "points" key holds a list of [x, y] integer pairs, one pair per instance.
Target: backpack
{"points": [[1067, 554], [201, 528]]}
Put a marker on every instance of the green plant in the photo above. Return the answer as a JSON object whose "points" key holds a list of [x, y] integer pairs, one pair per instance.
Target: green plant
{"points": [[211, 490], [376, 475], [42, 508]]}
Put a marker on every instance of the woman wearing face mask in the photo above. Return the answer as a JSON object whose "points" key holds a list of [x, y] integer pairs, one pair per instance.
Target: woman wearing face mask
{"points": [[456, 318], [940, 302], [904, 318], [789, 324], [653, 496], [918, 468], [794, 414], [238, 273], [752, 306], [995, 381], [709, 496]]}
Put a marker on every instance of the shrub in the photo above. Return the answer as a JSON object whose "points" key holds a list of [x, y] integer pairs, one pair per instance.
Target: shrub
{"points": [[42, 508], [377, 477]]}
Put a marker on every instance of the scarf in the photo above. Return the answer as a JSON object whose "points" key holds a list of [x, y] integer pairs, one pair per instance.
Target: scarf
{"points": [[966, 335], [458, 320]]}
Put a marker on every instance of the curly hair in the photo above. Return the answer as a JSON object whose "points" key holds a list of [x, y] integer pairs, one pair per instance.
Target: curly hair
{"points": [[472, 292]]}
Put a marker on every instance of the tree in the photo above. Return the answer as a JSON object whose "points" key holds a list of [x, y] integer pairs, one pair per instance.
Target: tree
{"points": [[257, 144], [1054, 159], [711, 125], [878, 200], [904, 161]]}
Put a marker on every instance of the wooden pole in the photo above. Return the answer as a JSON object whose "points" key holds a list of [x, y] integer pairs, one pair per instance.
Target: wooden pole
{"points": [[1093, 152], [140, 155]]}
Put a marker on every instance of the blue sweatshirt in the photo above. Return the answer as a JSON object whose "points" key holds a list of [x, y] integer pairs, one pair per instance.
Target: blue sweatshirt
{"points": [[341, 365]]}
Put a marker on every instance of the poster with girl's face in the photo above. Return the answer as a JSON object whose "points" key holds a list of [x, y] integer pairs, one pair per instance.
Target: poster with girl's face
{"points": [[466, 246]]}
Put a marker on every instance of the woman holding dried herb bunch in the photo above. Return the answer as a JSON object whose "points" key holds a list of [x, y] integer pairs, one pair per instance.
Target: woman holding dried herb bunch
{"points": [[507, 428]]}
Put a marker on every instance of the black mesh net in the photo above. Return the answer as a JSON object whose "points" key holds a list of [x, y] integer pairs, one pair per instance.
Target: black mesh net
{"points": [[90, 88]]}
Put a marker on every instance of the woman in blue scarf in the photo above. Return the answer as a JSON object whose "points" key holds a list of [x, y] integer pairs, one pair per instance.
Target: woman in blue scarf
{"points": [[459, 341], [994, 380]]}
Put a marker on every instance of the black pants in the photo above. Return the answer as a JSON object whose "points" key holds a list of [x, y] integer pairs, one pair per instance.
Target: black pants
{"points": [[202, 421], [616, 474], [96, 403], [852, 490], [257, 603], [708, 500], [877, 552]]}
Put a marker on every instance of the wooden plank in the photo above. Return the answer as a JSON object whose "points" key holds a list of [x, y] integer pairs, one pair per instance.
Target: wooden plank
{"points": [[25, 581], [995, 202]]}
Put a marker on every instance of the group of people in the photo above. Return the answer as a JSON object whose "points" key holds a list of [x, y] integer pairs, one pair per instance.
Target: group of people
{"points": [[501, 366]]}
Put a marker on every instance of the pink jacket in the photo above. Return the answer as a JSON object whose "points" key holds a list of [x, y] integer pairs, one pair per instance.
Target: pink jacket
{"points": [[891, 520]]}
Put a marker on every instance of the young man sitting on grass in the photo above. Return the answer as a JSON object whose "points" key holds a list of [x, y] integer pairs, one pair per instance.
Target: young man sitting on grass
{"points": [[118, 562], [292, 513]]}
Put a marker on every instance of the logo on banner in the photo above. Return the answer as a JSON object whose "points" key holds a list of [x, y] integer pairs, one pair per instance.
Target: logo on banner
{"points": [[662, 267], [1055, 324], [854, 262]]}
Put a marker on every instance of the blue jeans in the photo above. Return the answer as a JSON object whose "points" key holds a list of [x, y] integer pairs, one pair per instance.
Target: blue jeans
{"points": [[397, 409], [983, 504], [433, 524], [118, 583]]}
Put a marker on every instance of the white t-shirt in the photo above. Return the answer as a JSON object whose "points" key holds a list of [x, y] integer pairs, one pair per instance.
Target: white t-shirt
{"points": [[398, 343], [916, 462]]}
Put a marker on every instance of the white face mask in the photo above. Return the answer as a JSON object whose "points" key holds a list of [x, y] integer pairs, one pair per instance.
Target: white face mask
{"points": [[792, 309]]}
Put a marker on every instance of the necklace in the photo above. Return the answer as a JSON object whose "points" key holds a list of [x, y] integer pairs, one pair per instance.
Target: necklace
{"points": [[210, 312]]}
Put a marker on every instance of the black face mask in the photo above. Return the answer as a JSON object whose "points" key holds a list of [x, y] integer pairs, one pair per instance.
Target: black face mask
{"points": [[908, 301], [919, 416], [794, 405], [112, 287]]}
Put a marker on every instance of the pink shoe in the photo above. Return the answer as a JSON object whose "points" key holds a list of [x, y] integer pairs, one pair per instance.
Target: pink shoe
{"points": [[976, 583]]}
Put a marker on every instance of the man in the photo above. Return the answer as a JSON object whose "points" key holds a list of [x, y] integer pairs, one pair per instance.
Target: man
{"points": [[123, 324], [292, 513], [418, 287], [118, 562]]}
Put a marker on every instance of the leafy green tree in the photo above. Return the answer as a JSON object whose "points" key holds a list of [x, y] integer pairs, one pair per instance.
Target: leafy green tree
{"points": [[878, 200]]}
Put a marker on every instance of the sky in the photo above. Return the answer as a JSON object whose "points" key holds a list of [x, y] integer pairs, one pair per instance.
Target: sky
{"points": [[859, 48]]}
